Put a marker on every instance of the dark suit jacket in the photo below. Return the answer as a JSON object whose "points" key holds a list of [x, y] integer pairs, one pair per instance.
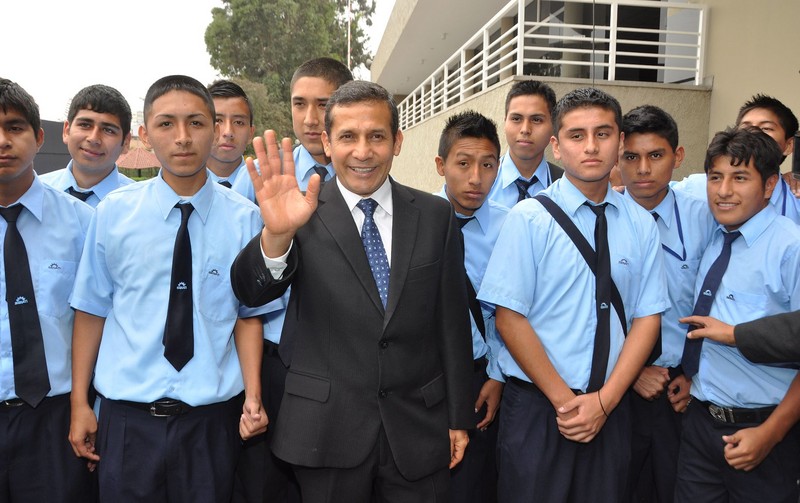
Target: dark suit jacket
{"points": [[774, 339], [354, 368]]}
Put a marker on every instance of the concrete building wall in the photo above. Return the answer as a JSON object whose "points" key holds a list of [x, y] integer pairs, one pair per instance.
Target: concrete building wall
{"points": [[689, 106]]}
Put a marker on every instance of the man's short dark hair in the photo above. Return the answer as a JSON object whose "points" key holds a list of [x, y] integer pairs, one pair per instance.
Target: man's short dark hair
{"points": [[102, 99], [651, 119], [360, 91], [328, 69], [586, 97], [532, 88], [786, 118], [14, 97], [230, 89], [177, 83], [744, 146], [469, 124]]}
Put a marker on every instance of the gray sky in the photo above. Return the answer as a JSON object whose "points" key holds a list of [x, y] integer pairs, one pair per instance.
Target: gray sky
{"points": [[53, 48]]}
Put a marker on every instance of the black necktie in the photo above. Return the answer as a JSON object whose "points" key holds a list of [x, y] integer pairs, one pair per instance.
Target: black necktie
{"points": [[373, 246], [322, 172], [523, 185], [179, 329], [83, 196], [472, 296], [658, 348], [690, 361], [225, 183], [602, 337], [27, 347]]}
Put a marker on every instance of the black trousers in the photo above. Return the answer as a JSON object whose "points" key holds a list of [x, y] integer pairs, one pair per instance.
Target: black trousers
{"points": [[261, 477], [36, 459], [536, 463], [474, 480], [705, 476], [184, 458], [656, 436]]}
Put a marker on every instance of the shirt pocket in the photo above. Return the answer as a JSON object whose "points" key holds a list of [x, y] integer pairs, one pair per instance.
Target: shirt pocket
{"points": [[217, 302], [752, 305], [55, 282]]}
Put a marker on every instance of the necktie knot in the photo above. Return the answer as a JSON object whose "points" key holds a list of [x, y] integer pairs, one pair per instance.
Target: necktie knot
{"points": [[11, 214], [321, 171], [186, 211], [730, 237], [83, 196], [463, 221], [367, 206], [599, 210], [523, 185], [655, 216], [225, 183]]}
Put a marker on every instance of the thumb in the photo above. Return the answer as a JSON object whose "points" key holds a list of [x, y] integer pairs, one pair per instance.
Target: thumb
{"points": [[730, 439]]}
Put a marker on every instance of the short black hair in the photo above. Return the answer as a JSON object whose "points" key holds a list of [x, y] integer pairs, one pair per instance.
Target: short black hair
{"points": [[14, 97], [651, 119], [327, 69], [786, 118], [102, 99], [744, 146], [360, 91], [532, 88], [177, 83], [469, 124], [230, 89], [583, 98]]}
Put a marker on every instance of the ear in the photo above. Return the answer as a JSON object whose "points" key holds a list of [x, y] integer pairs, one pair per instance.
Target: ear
{"points": [[326, 144], [440, 165], [143, 136], [554, 144], [769, 187], [39, 139], [789, 146], [398, 142], [252, 134], [679, 155], [65, 132], [126, 144]]}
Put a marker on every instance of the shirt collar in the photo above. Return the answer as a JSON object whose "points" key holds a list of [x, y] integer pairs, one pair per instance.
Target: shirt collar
{"points": [[230, 177], [382, 196], [574, 198], [304, 163], [103, 187], [509, 171], [168, 198], [483, 215], [33, 199], [753, 228], [665, 209]]}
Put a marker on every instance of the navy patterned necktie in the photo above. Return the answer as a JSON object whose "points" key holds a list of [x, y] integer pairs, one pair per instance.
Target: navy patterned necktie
{"points": [[522, 187], [31, 381], [83, 196], [690, 361], [373, 245], [225, 183], [602, 337], [179, 329]]}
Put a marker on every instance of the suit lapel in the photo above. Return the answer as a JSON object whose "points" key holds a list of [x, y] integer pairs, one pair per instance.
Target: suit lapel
{"points": [[404, 233], [336, 217]]}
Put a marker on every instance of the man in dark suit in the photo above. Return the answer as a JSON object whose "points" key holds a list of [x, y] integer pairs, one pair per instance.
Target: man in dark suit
{"points": [[376, 336], [774, 339]]}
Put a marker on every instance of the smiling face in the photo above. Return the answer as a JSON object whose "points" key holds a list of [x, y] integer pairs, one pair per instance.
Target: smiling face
{"points": [[181, 131], [469, 172], [309, 97], [95, 142], [361, 145], [736, 193], [528, 127], [646, 167], [235, 133]]}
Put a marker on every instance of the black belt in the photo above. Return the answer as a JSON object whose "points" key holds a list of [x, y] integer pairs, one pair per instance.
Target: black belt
{"points": [[12, 403], [532, 387], [164, 407], [734, 415]]}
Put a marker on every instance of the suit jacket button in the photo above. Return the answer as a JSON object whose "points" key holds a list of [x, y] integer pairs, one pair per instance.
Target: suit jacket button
{"points": [[383, 393], [383, 344]]}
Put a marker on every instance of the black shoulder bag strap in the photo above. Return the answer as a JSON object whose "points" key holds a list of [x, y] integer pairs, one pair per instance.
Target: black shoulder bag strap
{"points": [[555, 171], [586, 250]]}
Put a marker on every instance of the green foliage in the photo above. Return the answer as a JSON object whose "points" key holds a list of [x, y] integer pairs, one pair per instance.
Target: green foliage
{"points": [[267, 112]]}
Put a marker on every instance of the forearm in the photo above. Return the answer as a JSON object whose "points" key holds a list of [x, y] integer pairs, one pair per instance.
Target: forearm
{"points": [[786, 415], [637, 347], [524, 345], [248, 338], [87, 332]]}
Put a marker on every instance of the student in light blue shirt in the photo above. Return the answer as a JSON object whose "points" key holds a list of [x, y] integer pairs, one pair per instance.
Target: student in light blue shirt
{"points": [[468, 152], [559, 440], [52, 226], [528, 125], [167, 430], [235, 118], [650, 155], [752, 408], [96, 132]]}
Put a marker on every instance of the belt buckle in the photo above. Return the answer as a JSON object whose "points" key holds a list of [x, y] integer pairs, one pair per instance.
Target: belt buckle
{"points": [[12, 403], [156, 411], [718, 413]]}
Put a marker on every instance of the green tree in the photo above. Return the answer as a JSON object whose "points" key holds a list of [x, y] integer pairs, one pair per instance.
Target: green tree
{"points": [[265, 40], [267, 112]]}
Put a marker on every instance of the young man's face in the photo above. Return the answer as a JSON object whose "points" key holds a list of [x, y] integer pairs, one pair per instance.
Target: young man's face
{"points": [[235, 131], [646, 167], [181, 131], [528, 128], [588, 145], [309, 97], [736, 193], [19, 144], [361, 145], [469, 172], [768, 122], [94, 141]]}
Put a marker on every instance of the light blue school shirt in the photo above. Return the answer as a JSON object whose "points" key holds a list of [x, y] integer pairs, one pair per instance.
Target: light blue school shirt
{"points": [[504, 190], [63, 179], [480, 235], [680, 214], [782, 198], [53, 226], [239, 180], [763, 278], [536, 270], [304, 167], [124, 276]]}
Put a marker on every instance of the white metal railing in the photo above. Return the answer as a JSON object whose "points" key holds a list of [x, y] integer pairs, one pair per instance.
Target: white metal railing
{"points": [[595, 40]]}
